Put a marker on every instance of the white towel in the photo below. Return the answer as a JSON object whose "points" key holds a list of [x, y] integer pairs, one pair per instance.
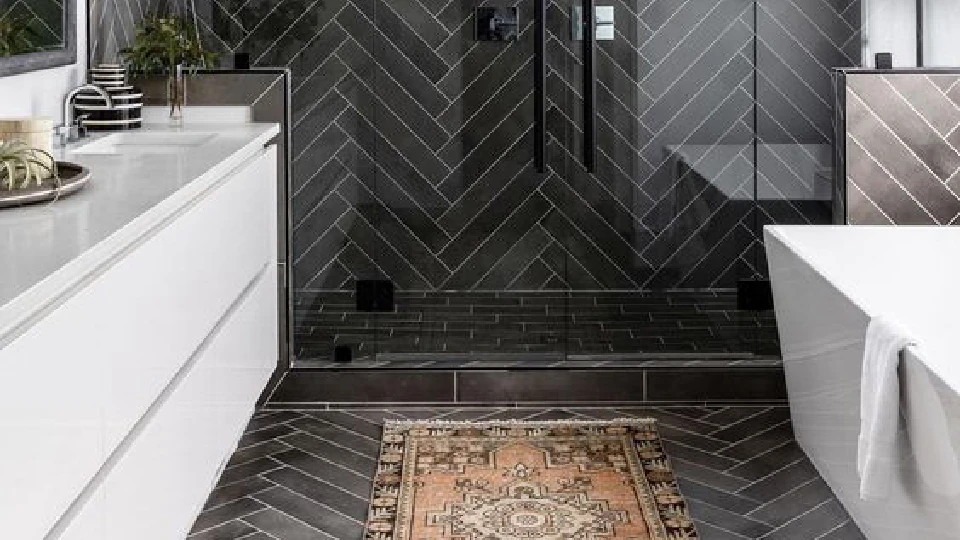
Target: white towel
{"points": [[929, 429], [879, 407]]}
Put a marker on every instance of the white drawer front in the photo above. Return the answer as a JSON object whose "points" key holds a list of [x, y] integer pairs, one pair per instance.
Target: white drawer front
{"points": [[156, 489], [73, 386]]}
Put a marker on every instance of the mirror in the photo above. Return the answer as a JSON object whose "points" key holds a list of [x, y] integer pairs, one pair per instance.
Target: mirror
{"points": [[36, 34]]}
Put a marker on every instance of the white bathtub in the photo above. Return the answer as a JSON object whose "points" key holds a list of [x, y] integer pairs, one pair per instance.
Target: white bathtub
{"points": [[827, 283]]}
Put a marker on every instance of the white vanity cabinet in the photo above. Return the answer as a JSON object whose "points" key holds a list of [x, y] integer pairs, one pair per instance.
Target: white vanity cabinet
{"points": [[120, 404]]}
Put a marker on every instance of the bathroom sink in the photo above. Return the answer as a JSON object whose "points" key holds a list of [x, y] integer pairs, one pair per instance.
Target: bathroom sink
{"points": [[145, 143]]}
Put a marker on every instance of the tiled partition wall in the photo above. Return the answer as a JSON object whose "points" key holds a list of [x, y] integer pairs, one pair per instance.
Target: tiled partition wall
{"points": [[901, 148]]}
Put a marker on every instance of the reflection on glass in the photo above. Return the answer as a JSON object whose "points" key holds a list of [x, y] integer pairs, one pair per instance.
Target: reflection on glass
{"points": [[30, 26]]}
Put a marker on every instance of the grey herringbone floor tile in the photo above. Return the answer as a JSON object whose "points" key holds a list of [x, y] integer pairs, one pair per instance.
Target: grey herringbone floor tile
{"points": [[312, 480]]}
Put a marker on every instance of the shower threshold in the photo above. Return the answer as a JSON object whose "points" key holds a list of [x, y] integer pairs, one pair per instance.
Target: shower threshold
{"points": [[527, 361]]}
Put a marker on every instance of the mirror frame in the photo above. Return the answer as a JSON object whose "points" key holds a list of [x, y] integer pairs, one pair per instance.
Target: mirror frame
{"points": [[27, 62]]}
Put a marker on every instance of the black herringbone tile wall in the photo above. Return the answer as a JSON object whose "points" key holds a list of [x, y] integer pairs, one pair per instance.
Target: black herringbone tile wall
{"points": [[307, 474], [112, 26], [902, 148], [413, 142]]}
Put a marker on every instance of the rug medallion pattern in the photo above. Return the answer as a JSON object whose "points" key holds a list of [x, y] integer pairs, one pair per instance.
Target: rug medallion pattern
{"points": [[526, 481]]}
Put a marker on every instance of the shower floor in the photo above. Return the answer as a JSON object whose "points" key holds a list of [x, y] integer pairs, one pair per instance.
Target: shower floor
{"points": [[533, 329]]}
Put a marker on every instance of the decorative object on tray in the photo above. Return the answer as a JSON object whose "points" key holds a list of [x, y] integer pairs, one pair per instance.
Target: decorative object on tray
{"points": [[36, 135], [563, 479], [30, 175], [168, 46], [126, 112]]}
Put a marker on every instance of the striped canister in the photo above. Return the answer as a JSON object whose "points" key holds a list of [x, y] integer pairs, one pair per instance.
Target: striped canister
{"points": [[127, 108]]}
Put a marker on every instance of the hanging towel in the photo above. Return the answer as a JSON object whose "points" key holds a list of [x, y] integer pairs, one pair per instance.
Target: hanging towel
{"points": [[879, 407], [929, 430]]}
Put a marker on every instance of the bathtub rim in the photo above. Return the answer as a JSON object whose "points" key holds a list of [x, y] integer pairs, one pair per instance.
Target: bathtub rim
{"points": [[780, 233]]}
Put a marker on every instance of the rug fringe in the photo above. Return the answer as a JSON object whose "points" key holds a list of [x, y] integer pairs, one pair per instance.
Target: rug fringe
{"points": [[407, 424]]}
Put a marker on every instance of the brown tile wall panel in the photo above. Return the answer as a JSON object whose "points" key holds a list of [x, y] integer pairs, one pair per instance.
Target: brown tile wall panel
{"points": [[902, 149]]}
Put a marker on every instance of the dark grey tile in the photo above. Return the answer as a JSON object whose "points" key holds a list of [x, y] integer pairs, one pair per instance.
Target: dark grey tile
{"points": [[334, 451], [716, 497], [712, 532], [280, 525], [700, 457], [225, 513], [814, 523], [326, 492], [345, 479], [349, 421], [729, 415], [708, 476], [772, 486], [738, 431], [246, 470], [361, 444], [257, 451], [231, 492], [726, 520], [759, 443], [230, 530], [761, 465], [310, 512], [251, 438], [393, 62], [793, 503], [847, 531]]}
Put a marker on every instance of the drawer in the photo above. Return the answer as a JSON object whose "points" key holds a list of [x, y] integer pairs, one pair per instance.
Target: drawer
{"points": [[74, 384], [195, 428]]}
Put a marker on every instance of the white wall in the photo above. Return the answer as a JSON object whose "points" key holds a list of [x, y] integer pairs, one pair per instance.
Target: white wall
{"points": [[890, 26], [942, 33], [40, 93]]}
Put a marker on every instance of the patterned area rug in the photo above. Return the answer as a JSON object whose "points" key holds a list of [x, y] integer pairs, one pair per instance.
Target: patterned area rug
{"points": [[563, 480]]}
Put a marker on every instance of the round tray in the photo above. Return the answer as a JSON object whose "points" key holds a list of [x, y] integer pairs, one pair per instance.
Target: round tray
{"points": [[72, 179]]}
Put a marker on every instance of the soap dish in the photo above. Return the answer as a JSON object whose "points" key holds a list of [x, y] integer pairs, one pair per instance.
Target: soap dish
{"points": [[73, 178]]}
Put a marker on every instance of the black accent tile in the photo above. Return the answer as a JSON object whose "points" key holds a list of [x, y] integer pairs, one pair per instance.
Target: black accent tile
{"points": [[534, 386], [308, 386], [708, 385]]}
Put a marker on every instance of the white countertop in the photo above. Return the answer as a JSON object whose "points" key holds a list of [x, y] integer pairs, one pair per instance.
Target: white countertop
{"points": [[48, 249], [904, 273]]}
